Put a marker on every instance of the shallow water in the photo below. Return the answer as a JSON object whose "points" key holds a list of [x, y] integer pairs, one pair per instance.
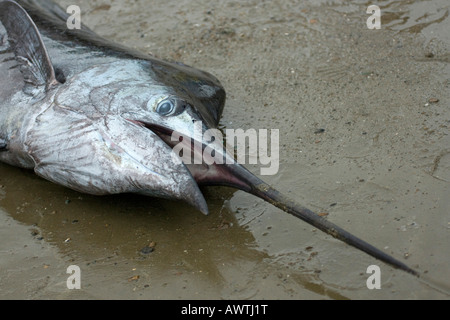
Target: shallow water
{"points": [[380, 168]]}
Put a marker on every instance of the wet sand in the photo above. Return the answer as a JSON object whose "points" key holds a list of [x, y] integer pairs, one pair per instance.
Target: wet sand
{"points": [[364, 120]]}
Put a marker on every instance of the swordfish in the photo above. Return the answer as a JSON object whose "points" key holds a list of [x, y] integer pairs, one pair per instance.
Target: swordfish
{"points": [[99, 118]]}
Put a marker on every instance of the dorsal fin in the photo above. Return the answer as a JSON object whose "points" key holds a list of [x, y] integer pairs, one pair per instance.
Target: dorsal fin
{"points": [[28, 47]]}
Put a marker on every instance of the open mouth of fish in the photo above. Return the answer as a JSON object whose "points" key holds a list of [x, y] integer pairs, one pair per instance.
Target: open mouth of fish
{"points": [[232, 175]]}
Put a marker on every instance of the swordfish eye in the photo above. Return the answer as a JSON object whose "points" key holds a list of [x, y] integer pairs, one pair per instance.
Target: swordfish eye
{"points": [[166, 107]]}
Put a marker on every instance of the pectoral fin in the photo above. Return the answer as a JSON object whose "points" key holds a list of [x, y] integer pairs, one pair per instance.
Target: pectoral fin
{"points": [[29, 49]]}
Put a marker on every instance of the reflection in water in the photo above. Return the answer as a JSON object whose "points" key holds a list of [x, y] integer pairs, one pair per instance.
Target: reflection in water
{"points": [[109, 233], [415, 17]]}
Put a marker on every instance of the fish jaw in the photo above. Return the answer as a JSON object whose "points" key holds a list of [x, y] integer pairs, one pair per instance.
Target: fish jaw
{"points": [[220, 170], [108, 155]]}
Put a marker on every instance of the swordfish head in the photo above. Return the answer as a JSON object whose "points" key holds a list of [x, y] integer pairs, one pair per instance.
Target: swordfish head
{"points": [[108, 130], [113, 128]]}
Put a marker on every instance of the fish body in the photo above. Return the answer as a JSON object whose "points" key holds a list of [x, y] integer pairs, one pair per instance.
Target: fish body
{"points": [[99, 118]]}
